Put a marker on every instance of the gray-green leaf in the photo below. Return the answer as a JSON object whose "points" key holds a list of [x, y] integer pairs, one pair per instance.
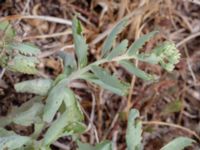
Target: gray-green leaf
{"points": [[69, 61], [92, 78], [178, 144], [80, 44], [85, 146], [149, 58], [25, 48], [68, 122], [36, 86], [134, 131], [130, 67], [105, 145], [111, 82], [4, 25], [29, 116], [53, 102], [53, 133], [26, 114], [107, 45], [10, 140], [55, 98], [23, 64], [134, 48], [118, 50]]}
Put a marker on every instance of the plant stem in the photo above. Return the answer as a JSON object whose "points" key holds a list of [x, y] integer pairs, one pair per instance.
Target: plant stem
{"points": [[77, 74]]}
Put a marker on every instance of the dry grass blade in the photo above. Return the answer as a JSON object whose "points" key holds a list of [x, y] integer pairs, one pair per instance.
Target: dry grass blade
{"points": [[46, 18], [192, 36], [172, 125], [48, 35]]}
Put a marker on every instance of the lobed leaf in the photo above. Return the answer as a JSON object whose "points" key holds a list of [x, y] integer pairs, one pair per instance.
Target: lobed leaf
{"points": [[109, 82], [36, 86], [107, 45], [23, 64], [134, 48], [118, 50], [134, 131], [178, 144], [80, 44], [130, 67], [92, 78], [25, 48], [149, 58]]}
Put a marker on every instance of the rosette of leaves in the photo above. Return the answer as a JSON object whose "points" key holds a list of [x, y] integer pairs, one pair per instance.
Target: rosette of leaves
{"points": [[16, 56]]}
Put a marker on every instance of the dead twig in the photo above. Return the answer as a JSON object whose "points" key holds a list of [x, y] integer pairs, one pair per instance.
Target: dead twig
{"points": [[47, 35], [192, 36], [46, 18], [193, 1], [2, 73], [172, 125]]}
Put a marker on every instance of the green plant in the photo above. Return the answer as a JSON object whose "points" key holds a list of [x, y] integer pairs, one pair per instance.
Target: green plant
{"points": [[134, 138], [55, 109], [16, 56]]}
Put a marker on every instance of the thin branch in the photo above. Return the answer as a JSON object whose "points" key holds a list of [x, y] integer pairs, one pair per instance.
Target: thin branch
{"points": [[188, 39], [46, 18], [51, 52], [2, 73], [197, 2], [172, 125], [47, 35]]}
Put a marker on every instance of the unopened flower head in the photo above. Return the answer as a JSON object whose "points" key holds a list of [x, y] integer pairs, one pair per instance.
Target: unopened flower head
{"points": [[169, 55]]}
